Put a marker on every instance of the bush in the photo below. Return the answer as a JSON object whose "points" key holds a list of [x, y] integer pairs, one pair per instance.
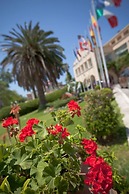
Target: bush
{"points": [[100, 118], [55, 95], [4, 112], [27, 107], [60, 102]]}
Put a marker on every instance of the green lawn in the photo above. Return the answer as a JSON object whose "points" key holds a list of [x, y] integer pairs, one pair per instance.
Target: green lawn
{"points": [[119, 147]]}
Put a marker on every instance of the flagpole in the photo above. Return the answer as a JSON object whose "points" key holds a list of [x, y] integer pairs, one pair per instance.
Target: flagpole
{"points": [[99, 61], [101, 47], [98, 57], [97, 66]]}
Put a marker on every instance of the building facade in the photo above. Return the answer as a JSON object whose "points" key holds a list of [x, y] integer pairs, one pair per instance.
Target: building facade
{"points": [[86, 69], [118, 45]]}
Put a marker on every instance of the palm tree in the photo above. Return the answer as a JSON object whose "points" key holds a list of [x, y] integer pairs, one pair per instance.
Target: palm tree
{"points": [[36, 58]]}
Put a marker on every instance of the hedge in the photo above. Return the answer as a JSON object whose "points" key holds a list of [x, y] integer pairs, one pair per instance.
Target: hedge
{"points": [[29, 106]]}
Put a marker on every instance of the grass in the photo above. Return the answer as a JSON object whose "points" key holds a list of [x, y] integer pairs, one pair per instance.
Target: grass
{"points": [[118, 144]]}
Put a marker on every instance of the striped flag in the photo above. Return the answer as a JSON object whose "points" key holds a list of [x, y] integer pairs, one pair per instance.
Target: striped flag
{"points": [[112, 19], [92, 35]]}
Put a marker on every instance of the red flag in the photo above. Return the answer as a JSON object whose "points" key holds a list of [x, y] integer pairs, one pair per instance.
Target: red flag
{"points": [[117, 2], [82, 43]]}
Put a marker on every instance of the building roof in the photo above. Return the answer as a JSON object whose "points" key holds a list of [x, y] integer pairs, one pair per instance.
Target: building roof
{"points": [[119, 32]]}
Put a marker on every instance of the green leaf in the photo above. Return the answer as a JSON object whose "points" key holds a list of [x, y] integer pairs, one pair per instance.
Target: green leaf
{"points": [[2, 151], [50, 173], [39, 173], [63, 186], [17, 191], [25, 184], [41, 131], [5, 186], [33, 170], [69, 149], [29, 191], [23, 161]]}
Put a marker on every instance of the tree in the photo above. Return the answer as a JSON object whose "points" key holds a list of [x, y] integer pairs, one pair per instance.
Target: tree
{"points": [[68, 74], [36, 58], [120, 64], [6, 76], [7, 96]]}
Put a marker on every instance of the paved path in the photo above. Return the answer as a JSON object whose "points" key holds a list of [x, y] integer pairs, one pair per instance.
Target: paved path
{"points": [[122, 98]]}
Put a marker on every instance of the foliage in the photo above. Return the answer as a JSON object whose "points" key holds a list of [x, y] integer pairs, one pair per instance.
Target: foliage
{"points": [[55, 95], [7, 95], [120, 64], [60, 102], [47, 159], [33, 51], [68, 77], [100, 119], [32, 105], [75, 87], [26, 107], [6, 77]]}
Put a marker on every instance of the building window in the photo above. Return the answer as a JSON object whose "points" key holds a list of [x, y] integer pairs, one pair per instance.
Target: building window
{"points": [[82, 68], [121, 50], [126, 32], [113, 42], [118, 39], [79, 72], [86, 66], [90, 63], [76, 71]]}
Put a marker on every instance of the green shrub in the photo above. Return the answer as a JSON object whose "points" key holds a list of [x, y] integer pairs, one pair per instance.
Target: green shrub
{"points": [[26, 107], [60, 102], [55, 95], [100, 118], [29, 106], [4, 112]]}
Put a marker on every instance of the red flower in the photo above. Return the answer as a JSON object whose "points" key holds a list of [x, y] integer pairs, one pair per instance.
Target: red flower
{"points": [[99, 177], [89, 145], [65, 133], [74, 108], [58, 130], [9, 122], [32, 121], [91, 160], [26, 132]]}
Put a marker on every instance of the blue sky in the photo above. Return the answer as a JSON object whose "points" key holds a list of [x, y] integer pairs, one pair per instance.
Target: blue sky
{"points": [[66, 18]]}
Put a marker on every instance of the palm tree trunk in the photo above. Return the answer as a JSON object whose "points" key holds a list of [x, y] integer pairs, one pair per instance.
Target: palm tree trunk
{"points": [[34, 92], [41, 95]]}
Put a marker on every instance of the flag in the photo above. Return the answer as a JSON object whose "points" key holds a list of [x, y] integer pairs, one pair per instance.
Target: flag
{"points": [[93, 21], [90, 48], [77, 50], [82, 43], [100, 4], [75, 54], [112, 19], [117, 3], [92, 34]]}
